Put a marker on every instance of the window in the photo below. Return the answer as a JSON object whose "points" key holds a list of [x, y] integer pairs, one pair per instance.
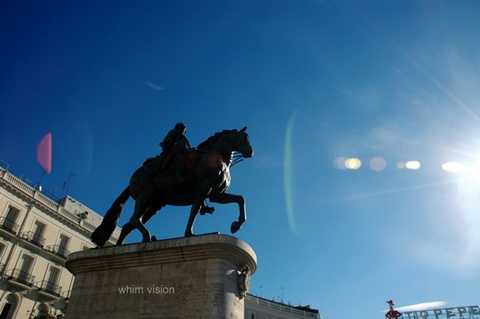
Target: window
{"points": [[12, 214], [62, 246], [2, 249], [25, 268], [10, 220], [7, 311], [9, 308], [38, 231], [53, 276]]}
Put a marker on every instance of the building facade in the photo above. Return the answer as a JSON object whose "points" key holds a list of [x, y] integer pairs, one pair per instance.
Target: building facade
{"points": [[36, 235], [261, 308]]}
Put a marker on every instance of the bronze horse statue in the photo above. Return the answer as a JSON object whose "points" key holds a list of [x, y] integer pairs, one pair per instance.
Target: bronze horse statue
{"points": [[207, 177]]}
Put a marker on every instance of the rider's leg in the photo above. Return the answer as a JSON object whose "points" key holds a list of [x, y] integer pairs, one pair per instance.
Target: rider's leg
{"points": [[205, 209]]}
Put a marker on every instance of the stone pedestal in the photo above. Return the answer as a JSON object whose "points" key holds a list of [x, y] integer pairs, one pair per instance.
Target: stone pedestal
{"points": [[195, 277]]}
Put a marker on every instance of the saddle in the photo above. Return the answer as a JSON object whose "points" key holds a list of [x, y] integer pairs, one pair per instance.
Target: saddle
{"points": [[162, 163], [154, 167]]}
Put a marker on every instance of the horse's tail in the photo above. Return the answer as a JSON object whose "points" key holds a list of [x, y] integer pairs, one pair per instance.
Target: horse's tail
{"points": [[103, 232]]}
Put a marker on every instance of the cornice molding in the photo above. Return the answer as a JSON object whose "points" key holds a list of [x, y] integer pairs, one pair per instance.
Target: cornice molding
{"points": [[177, 250], [31, 196], [47, 210]]}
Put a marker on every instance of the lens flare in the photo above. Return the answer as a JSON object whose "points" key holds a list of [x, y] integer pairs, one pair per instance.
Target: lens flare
{"points": [[339, 163], [353, 163], [289, 174], [453, 167], [44, 153], [413, 165], [378, 164]]}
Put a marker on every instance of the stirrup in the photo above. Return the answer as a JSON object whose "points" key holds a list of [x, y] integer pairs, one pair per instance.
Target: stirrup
{"points": [[207, 210]]}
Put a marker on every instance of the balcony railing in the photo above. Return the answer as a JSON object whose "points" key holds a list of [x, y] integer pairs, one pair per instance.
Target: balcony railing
{"points": [[34, 238], [58, 250], [9, 225], [20, 276], [50, 287]]}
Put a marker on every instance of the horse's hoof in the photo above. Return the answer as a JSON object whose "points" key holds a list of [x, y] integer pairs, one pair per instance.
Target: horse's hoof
{"points": [[189, 234], [235, 227], [154, 238]]}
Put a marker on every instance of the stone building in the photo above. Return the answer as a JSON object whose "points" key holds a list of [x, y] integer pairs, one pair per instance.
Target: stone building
{"points": [[36, 235]]}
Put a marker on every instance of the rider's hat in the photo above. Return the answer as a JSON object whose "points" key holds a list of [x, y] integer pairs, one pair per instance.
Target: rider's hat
{"points": [[180, 126]]}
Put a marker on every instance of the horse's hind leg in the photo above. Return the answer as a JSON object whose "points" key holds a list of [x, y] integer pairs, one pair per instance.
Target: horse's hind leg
{"points": [[141, 207], [135, 222], [191, 219], [150, 212], [126, 229], [143, 230]]}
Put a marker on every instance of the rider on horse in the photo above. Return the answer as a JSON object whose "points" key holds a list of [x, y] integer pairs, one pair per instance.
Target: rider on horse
{"points": [[207, 178], [174, 143], [174, 146]]}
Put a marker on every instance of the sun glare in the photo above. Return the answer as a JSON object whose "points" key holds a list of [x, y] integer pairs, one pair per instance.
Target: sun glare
{"points": [[413, 165], [353, 163], [453, 167]]}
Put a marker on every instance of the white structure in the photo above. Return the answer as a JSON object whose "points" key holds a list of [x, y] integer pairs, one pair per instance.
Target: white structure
{"points": [[36, 235], [261, 308]]}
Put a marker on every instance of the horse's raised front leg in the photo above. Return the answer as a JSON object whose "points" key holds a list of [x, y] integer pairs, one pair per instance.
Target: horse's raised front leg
{"points": [[226, 198]]}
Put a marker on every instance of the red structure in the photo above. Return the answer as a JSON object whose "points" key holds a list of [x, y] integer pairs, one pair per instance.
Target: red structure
{"points": [[392, 313]]}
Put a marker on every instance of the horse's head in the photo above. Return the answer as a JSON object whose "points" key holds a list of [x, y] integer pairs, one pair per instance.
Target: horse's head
{"points": [[230, 141], [241, 143]]}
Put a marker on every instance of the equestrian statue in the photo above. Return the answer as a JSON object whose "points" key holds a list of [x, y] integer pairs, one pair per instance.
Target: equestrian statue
{"points": [[180, 176]]}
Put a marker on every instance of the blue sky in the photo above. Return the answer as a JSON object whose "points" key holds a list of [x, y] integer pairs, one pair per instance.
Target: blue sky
{"points": [[313, 81]]}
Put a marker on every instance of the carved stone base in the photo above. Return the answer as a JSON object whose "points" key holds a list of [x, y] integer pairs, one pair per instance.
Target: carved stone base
{"points": [[195, 277]]}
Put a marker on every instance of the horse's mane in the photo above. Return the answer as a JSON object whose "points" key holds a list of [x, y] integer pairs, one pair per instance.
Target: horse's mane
{"points": [[212, 139]]}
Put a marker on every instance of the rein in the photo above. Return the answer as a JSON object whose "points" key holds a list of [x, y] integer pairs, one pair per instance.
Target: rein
{"points": [[236, 158], [208, 145]]}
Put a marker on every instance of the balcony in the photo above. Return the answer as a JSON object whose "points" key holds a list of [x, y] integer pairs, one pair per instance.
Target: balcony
{"points": [[58, 250], [20, 276], [50, 287], [34, 238], [9, 225]]}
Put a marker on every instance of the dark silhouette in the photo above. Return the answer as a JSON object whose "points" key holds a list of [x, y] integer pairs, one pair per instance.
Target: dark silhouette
{"points": [[181, 176], [392, 313]]}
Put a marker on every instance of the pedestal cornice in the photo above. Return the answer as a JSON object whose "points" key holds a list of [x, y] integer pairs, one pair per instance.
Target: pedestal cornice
{"points": [[176, 250]]}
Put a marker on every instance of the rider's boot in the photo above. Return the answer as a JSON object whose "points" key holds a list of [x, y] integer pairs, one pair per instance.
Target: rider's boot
{"points": [[206, 210]]}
